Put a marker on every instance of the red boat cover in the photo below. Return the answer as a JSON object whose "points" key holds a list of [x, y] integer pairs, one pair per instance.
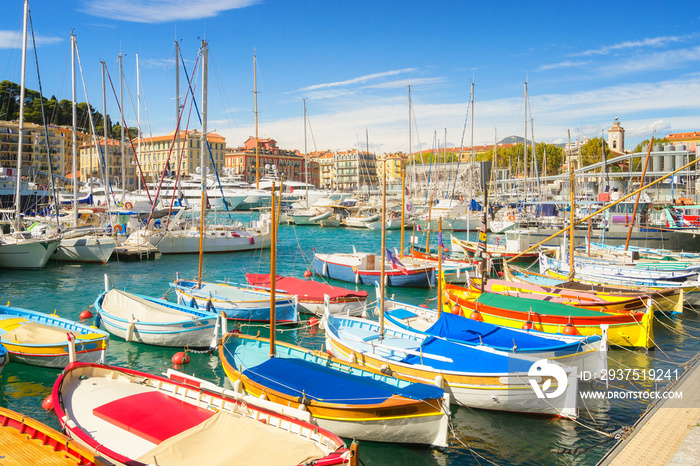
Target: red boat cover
{"points": [[153, 416], [306, 290]]}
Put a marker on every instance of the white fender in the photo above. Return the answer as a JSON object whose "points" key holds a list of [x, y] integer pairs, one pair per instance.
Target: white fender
{"points": [[130, 329]]}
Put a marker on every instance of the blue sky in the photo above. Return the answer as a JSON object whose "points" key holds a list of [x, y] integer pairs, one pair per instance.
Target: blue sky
{"points": [[585, 62]]}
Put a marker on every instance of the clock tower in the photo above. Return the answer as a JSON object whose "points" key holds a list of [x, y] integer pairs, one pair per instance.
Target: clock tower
{"points": [[616, 138]]}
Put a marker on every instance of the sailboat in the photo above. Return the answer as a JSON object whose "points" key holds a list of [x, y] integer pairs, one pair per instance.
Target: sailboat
{"points": [[81, 244], [340, 397], [185, 237], [19, 249]]}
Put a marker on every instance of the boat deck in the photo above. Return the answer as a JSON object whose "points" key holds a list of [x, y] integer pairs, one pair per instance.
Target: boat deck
{"points": [[668, 432], [19, 449]]}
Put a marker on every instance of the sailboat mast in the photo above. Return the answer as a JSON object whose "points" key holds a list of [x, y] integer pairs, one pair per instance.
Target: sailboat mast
{"points": [[177, 111], [255, 94], [403, 205], [573, 208], [471, 155], [20, 142], [138, 114], [525, 144], [273, 269], [382, 284], [74, 151], [306, 159], [105, 181], [121, 105], [202, 154]]}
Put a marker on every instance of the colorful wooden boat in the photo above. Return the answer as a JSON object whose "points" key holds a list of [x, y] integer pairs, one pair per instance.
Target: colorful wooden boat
{"points": [[453, 271], [664, 300], [587, 353], [341, 397], [39, 339], [157, 322], [134, 418], [365, 268], [630, 329], [311, 294], [24, 441], [4, 357], [473, 377], [238, 302], [576, 298]]}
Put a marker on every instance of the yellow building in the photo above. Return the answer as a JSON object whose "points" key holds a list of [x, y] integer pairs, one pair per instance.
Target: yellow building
{"points": [[90, 162], [394, 163]]}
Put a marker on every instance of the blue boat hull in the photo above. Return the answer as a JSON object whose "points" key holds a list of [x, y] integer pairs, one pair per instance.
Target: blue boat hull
{"points": [[417, 279]]}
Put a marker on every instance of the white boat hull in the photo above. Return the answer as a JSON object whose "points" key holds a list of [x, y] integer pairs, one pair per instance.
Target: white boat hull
{"points": [[85, 249], [26, 253]]}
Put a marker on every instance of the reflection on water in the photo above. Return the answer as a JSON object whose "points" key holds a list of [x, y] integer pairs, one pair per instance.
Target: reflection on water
{"points": [[498, 437]]}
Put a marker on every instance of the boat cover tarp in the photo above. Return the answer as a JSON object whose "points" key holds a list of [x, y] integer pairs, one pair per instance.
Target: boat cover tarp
{"points": [[475, 206], [305, 289], [297, 377], [465, 359], [124, 305], [226, 439], [463, 329], [546, 210], [515, 303], [222, 291]]}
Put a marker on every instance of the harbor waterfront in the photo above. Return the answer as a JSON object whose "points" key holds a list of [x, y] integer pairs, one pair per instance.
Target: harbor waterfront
{"points": [[478, 437]]}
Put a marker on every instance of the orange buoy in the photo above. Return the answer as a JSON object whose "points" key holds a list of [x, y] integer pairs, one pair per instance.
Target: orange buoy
{"points": [[47, 404], [85, 315], [570, 330], [476, 315], [181, 358], [307, 274], [313, 322], [424, 305], [528, 325], [500, 273], [456, 309]]}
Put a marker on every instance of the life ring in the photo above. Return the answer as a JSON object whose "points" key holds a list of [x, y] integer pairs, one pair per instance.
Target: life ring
{"points": [[118, 228], [511, 218], [128, 205]]}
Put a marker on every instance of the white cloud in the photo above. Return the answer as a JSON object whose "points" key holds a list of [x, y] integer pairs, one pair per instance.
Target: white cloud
{"points": [[672, 59], [360, 79], [564, 64], [13, 40], [161, 11], [650, 42]]}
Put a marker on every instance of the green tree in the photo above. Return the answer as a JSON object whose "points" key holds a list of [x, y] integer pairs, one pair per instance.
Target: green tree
{"points": [[646, 143]]}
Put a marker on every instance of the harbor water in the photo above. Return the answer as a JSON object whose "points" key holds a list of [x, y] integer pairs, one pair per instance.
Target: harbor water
{"points": [[479, 437]]}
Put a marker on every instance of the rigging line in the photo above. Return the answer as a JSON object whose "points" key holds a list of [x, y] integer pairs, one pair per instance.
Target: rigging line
{"points": [[206, 139], [46, 128], [461, 144], [131, 141]]}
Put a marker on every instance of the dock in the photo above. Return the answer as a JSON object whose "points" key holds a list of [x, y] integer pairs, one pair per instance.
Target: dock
{"points": [[669, 431], [132, 253]]}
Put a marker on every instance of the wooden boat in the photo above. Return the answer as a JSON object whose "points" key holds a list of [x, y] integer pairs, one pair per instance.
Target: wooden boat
{"points": [[28, 441], [238, 302], [516, 242], [576, 298], [4, 357], [341, 397], [311, 294], [365, 268], [472, 376], [453, 271], [665, 301], [157, 322], [631, 329], [587, 353], [39, 339], [133, 418]]}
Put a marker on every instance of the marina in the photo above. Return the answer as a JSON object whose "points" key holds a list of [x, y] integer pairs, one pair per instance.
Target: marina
{"points": [[476, 434]]}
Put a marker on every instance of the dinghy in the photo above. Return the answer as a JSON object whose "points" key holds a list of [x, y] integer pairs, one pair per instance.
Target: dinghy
{"points": [[237, 302], [365, 268], [341, 397], [311, 294], [27, 441], [135, 418], [39, 339], [472, 376]]}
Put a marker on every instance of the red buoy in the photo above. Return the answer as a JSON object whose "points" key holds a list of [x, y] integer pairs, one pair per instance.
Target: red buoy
{"points": [[85, 315], [313, 322], [476, 315], [47, 404], [528, 325], [181, 358], [569, 330], [457, 310], [424, 305], [500, 273], [307, 274]]}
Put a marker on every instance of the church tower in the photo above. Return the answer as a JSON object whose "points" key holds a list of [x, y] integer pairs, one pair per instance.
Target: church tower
{"points": [[616, 138]]}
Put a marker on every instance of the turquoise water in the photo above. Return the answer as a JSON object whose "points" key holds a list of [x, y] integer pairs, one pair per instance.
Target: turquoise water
{"points": [[480, 437]]}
